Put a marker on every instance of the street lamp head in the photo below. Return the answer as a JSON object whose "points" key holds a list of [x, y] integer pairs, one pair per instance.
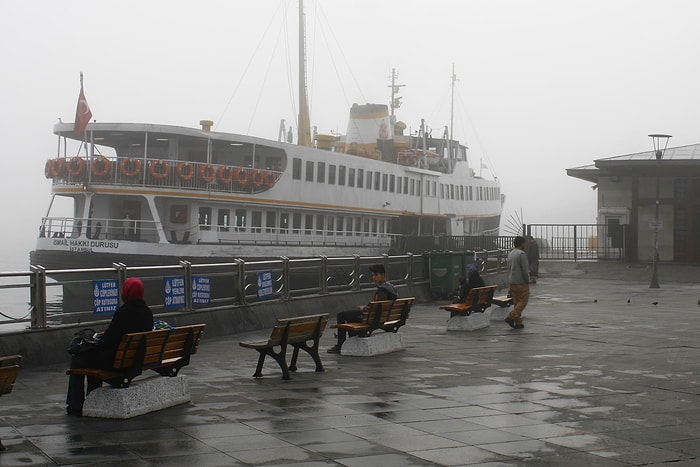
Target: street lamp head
{"points": [[659, 140]]}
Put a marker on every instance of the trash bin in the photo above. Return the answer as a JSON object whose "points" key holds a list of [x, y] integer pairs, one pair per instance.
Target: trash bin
{"points": [[445, 269]]}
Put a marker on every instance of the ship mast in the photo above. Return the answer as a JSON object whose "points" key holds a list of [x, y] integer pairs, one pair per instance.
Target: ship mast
{"points": [[450, 137], [304, 124]]}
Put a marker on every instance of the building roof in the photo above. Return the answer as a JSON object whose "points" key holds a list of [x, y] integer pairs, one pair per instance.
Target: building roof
{"points": [[640, 161]]}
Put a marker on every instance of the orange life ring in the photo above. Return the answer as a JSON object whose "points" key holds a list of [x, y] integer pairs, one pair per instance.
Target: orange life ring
{"points": [[270, 179], [58, 168], [258, 178], [207, 173], [240, 176], [101, 166], [48, 169], [224, 174], [76, 166], [184, 170], [130, 163], [158, 169]]}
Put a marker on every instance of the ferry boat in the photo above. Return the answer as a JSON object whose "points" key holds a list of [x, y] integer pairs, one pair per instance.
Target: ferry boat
{"points": [[150, 194]]}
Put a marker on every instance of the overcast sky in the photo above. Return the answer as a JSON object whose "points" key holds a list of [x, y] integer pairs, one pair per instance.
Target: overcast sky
{"points": [[542, 85]]}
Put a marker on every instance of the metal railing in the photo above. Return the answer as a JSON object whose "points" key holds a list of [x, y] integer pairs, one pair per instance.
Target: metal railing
{"points": [[579, 241], [67, 297]]}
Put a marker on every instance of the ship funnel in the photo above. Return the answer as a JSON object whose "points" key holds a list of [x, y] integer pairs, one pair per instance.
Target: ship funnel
{"points": [[206, 124], [370, 133]]}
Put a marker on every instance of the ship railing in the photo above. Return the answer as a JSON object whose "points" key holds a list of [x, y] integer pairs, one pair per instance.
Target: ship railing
{"points": [[79, 230], [165, 173], [71, 296]]}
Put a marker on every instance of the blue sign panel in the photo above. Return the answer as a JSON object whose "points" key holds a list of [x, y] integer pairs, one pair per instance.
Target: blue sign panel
{"points": [[105, 296], [201, 290], [264, 284], [174, 291]]}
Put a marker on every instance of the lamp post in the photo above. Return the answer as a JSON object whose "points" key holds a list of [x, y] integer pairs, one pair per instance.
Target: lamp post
{"points": [[657, 140]]}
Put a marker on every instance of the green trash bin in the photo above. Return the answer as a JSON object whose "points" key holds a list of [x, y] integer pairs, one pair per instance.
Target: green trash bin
{"points": [[445, 269]]}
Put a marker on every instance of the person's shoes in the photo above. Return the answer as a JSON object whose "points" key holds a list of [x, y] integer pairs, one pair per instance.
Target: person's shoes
{"points": [[519, 326], [334, 349], [510, 322], [76, 412], [2, 447]]}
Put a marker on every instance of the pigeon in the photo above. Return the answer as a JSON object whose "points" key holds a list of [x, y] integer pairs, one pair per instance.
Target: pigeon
{"points": [[654, 303], [628, 301]]}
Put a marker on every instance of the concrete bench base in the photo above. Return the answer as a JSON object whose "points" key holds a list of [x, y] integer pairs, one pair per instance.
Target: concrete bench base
{"points": [[468, 323], [142, 396], [499, 313], [376, 344]]}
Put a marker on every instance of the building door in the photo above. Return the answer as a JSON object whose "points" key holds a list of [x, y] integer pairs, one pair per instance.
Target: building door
{"points": [[686, 220]]}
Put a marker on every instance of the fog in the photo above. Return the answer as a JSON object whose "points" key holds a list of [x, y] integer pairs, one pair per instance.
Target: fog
{"points": [[542, 85]]}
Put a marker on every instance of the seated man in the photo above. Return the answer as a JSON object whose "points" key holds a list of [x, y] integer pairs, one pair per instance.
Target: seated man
{"points": [[385, 291]]}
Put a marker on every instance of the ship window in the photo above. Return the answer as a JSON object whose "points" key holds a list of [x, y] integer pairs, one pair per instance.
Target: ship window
{"points": [[296, 168], [273, 163], [452, 191], [321, 172], [284, 222], [461, 193], [382, 226], [331, 174], [308, 224], [224, 219], [377, 180], [374, 227], [309, 171], [385, 182], [471, 192], [413, 187], [398, 184], [351, 177], [339, 225], [348, 226], [418, 188], [239, 219], [178, 214], [319, 224], [296, 223], [329, 225], [360, 177], [204, 219], [392, 183], [341, 175], [358, 225], [270, 218], [405, 185], [435, 189], [256, 221], [366, 229], [369, 180]]}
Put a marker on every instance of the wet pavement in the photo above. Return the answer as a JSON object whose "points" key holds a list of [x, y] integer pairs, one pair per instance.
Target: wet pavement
{"points": [[605, 373]]}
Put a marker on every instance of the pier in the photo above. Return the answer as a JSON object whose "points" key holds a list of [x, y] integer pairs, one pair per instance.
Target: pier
{"points": [[604, 374]]}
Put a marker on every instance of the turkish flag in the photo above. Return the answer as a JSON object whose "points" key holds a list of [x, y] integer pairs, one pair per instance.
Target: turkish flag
{"points": [[82, 114]]}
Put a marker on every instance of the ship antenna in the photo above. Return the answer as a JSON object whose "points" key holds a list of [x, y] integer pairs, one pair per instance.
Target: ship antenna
{"points": [[304, 125], [395, 100]]}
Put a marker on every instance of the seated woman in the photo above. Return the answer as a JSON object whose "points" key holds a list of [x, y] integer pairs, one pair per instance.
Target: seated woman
{"points": [[472, 281], [133, 316]]}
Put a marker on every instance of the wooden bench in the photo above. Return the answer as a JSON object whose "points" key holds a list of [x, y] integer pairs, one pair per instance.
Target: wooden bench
{"points": [[297, 332], [503, 301], [478, 300], [387, 315], [164, 351], [9, 367]]}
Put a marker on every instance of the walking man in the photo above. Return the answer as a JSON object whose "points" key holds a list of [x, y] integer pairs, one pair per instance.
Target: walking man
{"points": [[519, 281]]}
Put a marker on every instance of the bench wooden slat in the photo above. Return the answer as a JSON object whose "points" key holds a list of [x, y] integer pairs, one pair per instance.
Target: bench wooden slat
{"points": [[503, 301], [301, 332]]}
